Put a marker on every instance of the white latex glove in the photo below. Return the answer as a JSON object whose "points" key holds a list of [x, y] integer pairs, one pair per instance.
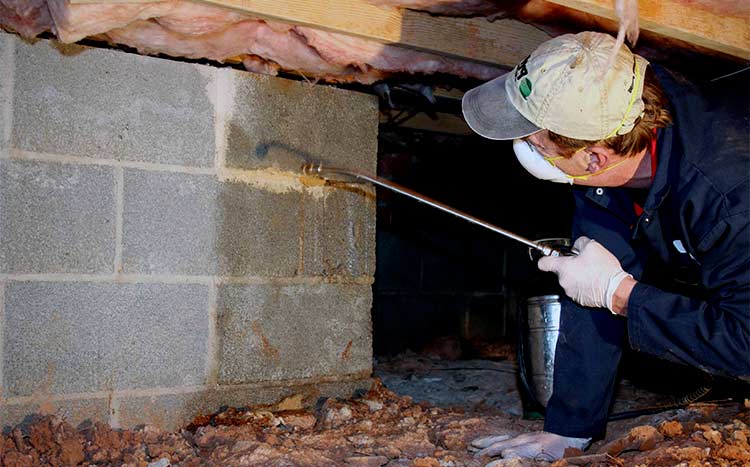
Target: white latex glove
{"points": [[538, 445], [590, 278]]}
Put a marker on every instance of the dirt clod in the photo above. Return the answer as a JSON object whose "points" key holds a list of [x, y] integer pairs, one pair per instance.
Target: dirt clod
{"points": [[671, 429]]}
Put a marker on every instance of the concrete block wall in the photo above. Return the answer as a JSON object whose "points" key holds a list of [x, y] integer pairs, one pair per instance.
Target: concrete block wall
{"points": [[160, 256]]}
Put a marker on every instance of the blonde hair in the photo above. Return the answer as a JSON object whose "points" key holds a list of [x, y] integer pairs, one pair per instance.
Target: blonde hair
{"points": [[655, 115]]}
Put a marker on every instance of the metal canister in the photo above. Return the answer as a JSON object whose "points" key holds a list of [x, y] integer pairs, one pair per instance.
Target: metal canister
{"points": [[542, 325], [539, 327]]}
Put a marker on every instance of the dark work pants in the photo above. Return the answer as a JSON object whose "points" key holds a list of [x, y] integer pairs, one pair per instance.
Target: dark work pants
{"points": [[591, 340], [587, 356]]}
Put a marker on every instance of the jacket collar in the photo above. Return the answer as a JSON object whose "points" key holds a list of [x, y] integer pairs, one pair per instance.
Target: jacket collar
{"points": [[660, 186]]}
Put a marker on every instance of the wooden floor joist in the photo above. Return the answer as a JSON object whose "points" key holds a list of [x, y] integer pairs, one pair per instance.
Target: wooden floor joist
{"points": [[726, 34], [502, 42]]}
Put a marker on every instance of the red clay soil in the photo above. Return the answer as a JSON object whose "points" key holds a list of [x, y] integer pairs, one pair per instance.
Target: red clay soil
{"points": [[378, 429]]}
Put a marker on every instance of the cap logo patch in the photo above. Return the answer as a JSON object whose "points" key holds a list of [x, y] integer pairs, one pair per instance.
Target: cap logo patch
{"points": [[521, 69], [525, 88]]}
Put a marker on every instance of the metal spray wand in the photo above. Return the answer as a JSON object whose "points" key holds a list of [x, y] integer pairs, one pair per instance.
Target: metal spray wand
{"points": [[317, 169]]}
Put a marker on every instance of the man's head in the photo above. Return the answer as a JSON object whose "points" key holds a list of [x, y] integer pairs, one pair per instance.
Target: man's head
{"points": [[562, 101]]}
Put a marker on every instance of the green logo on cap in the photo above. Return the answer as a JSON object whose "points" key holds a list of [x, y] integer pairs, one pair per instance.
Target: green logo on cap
{"points": [[525, 88]]}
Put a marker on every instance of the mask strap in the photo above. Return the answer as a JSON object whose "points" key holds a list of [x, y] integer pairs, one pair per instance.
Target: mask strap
{"points": [[636, 68], [586, 177], [582, 177], [552, 159]]}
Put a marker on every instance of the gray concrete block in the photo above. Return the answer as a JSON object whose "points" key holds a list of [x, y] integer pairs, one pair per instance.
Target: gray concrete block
{"points": [[269, 332], [339, 234], [194, 224], [64, 337], [283, 124], [56, 218], [174, 411], [6, 83], [109, 104], [73, 411], [165, 411]]}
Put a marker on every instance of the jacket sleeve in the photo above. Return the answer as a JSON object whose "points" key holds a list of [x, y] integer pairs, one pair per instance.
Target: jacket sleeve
{"points": [[713, 332]]}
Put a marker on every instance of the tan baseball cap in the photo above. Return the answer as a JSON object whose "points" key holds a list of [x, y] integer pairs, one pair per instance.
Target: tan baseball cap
{"points": [[562, 87]]}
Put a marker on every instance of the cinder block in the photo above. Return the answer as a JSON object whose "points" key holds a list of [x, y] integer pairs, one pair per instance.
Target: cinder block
{"points": [[174, 411], [165, 411], [109, 104], [73, 411], [6, 44], [339, 234], [193, 224], [280, 123], [63, 337], [269, 332], [56, 218]]}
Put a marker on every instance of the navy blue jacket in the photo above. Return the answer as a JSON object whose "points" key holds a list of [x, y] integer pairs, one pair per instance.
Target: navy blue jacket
{"points": [[690, 249]]}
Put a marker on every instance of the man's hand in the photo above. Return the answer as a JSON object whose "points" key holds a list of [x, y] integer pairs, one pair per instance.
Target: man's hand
{"points": [[590, 278], [538, 445]]}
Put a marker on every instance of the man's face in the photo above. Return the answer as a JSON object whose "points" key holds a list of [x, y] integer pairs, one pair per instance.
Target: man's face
{"points": [[591, 161]]}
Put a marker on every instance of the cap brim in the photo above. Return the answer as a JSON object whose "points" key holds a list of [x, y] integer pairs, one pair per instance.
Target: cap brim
{"points": [[489, 112]]}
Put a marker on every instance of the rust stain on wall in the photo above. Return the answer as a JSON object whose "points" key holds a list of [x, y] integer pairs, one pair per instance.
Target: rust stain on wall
{"points": [[347, 353], [268, 350]]}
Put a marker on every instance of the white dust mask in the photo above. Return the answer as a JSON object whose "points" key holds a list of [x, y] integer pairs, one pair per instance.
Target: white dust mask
{"points": [[536, 165]]}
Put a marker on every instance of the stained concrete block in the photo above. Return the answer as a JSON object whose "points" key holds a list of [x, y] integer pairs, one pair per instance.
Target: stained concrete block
{"points": [[339, 234], [6, 84], [74, 411], [279, 123], [109, 104], [174, 411], [63, 337], [56, 218], [193, 224], [269, 332]]}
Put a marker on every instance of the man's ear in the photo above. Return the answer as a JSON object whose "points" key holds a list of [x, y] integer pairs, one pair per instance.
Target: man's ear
{"points": [[598, 158]]}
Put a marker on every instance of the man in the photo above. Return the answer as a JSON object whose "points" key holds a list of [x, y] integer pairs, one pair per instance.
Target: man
{"points": [[662, 230]]}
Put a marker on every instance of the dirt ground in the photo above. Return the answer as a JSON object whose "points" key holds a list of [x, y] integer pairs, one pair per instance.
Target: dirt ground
{"points": [[383, 428]]}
